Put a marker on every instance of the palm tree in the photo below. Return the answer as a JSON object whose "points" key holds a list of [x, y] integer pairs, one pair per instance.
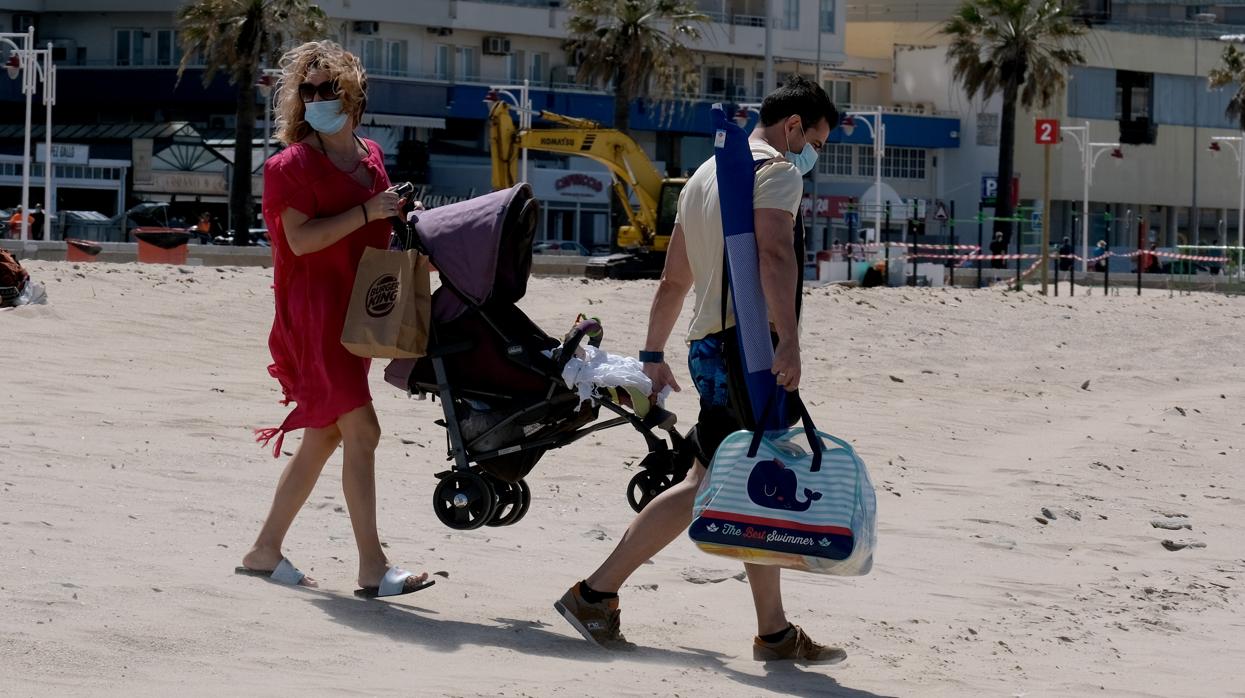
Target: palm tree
{"points": [[1232, 71], [1022, 48], [239, 36], [638, 46]]}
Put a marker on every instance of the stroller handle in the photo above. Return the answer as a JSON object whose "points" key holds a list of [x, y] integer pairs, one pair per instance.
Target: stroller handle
{"points": [[582, 329]]}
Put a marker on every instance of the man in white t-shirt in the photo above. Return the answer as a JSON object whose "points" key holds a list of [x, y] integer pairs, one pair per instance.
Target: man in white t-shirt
{"points": [[795, 121]]}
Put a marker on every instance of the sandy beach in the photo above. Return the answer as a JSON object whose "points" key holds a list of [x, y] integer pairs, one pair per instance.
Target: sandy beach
{"points": [[1031, 457]]}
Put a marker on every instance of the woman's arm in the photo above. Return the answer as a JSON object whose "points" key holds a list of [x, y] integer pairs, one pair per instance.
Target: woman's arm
{"points": [[305, 234]]}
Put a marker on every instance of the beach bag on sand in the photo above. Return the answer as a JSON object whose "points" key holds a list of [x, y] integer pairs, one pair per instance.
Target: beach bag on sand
{"points": [[13, 279], [390, 307], [796, 498]]}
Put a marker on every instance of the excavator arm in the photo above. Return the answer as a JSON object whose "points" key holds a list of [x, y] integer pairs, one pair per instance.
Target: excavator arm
{"points": [[630, 168]]}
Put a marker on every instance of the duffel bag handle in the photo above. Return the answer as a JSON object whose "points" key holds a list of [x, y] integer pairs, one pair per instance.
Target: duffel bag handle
{"points": [[810, 430]]}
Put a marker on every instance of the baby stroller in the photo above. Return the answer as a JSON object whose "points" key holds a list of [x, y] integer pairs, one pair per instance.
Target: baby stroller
{"points": [[498, 375]]}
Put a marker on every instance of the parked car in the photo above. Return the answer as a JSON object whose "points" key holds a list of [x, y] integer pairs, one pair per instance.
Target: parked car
{"points": [[560, 247]]}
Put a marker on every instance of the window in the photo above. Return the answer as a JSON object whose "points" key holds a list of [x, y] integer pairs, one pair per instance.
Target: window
{"points": [[729, 82], [827, 16], [168, 50], [515, 61], [1134, 106], [540, 68], [904, 163], [465, 60], [839, 91], [441, 66], [987, 129], [395, 57], [370, 53], [864, 155], [129, 47], [836, 159], [758, 85], [791, 14]]}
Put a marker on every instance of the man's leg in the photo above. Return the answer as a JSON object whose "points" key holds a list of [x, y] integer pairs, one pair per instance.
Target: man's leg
{"points": [[766, 584], [653, 529]]}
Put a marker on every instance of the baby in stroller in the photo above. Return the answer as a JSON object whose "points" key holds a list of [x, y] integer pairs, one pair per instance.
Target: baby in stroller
{"points": [[502, 381]]}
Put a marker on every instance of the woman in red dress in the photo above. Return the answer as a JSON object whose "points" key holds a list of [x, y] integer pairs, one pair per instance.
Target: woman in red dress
{"points": [[325, 201]]}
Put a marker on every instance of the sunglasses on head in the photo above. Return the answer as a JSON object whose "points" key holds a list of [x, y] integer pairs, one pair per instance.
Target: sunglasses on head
{"points": [[326, 90]]}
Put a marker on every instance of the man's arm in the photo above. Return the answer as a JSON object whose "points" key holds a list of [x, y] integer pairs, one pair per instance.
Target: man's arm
{"points": [[676, 281], [775, 234]]}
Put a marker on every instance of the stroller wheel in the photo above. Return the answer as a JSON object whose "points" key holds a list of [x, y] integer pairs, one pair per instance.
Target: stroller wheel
{"points": [[513, 501], [645, 486], [464, 500]]}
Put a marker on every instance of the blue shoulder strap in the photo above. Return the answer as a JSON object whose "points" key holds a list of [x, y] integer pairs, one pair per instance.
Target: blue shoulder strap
{"points": [[735, 176]]}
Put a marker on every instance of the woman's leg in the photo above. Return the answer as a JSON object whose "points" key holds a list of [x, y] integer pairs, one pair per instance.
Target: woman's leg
{"points": [[295, 485], [360, 432]]}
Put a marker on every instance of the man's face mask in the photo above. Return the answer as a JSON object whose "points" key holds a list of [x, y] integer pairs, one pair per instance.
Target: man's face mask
{"points": [[806, 159]]}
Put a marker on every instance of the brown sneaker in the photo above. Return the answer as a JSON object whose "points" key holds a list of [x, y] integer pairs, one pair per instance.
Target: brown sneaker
{"points": [[796, 646], [597, 622]]}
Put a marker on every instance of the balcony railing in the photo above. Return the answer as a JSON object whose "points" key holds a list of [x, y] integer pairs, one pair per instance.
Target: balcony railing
{"points": [[737, 20], [543, 4]]}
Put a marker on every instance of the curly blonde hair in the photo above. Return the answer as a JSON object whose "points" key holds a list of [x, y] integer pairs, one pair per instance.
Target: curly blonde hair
{"points": [[342, 67]]}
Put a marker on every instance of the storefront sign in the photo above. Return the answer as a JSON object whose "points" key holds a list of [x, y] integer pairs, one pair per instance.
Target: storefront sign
{"points": [[185, 183], [65, 153], [141, 149], [833, 207], [571, 185]]}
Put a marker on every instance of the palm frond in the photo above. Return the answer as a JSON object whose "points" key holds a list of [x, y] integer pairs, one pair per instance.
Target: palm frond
{"points": [[238, 35], [1030, 43], [640, 47], [1232, 72]]}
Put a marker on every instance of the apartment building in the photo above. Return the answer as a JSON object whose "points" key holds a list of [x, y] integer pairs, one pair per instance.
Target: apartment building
{"points": [[1144, 85], [140, 134]]}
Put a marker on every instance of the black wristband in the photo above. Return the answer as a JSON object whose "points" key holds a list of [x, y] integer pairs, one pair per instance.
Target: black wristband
{"points": [[364, 207], [652, 357]]}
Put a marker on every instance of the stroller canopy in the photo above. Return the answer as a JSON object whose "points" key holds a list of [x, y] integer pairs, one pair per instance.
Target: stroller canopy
{"points": [[482, 247]]}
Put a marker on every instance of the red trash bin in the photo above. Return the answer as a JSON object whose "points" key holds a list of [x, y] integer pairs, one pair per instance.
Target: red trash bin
{"points": [[81, 250], [161, 245]]}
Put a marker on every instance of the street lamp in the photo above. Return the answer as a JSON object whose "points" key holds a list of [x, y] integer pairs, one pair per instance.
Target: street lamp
{"points": [[1237, 144], [1090, 152], [34, 65], [267, 81], [524, 103], [877, 131]]}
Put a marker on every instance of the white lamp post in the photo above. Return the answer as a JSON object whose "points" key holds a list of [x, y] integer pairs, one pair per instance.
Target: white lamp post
{"points": [[1237, 144], [877, 130], [524, 103], [1090, 152], [33, 65]]}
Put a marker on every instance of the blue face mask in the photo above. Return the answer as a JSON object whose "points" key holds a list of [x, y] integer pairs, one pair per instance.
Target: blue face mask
{"points": [[806, 159], [326, 116]]}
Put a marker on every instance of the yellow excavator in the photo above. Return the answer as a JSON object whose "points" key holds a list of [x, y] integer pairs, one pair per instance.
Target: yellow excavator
{"points": [[649, 225]]}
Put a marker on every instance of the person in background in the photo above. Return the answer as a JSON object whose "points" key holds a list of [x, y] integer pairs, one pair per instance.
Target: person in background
{"points": [[37, 219], [15, 223], [1065, 255], [1100, 256], [203, 230], [836, 251], [998, 247]]}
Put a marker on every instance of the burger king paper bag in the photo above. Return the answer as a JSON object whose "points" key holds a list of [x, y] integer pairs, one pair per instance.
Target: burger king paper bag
{"points": [[390, 306]]}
